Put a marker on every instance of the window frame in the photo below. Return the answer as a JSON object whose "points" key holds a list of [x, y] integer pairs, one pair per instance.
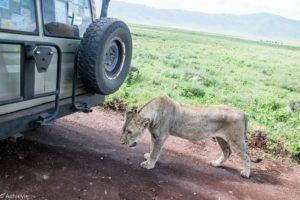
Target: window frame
{"points": [[60, 36], [35, 33]]}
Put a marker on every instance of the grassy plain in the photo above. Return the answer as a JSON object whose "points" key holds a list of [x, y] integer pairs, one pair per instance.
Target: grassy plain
{"points": [[258, 78]]}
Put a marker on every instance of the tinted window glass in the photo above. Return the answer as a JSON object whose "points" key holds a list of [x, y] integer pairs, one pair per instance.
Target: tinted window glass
{"points": [[69, 18], [18, 15]]}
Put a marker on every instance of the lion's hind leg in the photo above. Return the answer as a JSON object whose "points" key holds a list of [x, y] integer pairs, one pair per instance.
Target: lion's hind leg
{"points": [[226, 153], [242, 150]]}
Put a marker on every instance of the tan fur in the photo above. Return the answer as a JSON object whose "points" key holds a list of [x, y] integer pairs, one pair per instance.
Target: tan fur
{"points": [[164, 117]]}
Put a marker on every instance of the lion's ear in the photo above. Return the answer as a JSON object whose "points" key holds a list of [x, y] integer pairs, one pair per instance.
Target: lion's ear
{"points": [[135, 109], [146, 122], [131, 113]]}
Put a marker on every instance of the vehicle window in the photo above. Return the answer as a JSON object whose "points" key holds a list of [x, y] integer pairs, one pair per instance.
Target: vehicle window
{"points": [[67, 18], [18, 15]]}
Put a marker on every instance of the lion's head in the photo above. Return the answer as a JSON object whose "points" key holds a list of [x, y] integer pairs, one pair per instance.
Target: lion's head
{"points": [[134, 127]]}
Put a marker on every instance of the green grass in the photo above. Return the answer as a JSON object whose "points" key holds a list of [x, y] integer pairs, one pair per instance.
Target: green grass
{"points": [[260, 79]]}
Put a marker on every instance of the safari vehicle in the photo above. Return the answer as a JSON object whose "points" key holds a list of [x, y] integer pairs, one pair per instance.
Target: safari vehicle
{"points": [[57, 58]]}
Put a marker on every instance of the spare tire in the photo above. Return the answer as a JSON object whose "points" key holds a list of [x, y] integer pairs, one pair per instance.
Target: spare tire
{"points": [[104, 56]]}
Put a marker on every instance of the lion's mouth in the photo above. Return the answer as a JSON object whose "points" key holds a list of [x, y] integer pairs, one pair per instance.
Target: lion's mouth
{"points": [[133, 145]]}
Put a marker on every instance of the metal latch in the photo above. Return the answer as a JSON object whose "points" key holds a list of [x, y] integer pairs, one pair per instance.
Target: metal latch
{"points": [[42, 57]]}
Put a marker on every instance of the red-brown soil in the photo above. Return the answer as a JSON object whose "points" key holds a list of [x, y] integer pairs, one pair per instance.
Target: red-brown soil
{"points": [[80, 157]]}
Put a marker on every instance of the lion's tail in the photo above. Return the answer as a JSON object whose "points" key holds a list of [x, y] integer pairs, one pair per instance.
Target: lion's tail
{"points": [[246, 126]]}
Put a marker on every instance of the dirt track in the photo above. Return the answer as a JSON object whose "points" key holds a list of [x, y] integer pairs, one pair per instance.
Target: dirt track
{"points": [[80, 157]]}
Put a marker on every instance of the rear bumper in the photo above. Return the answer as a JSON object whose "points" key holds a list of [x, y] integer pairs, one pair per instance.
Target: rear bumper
{"points": [[17, 122]]}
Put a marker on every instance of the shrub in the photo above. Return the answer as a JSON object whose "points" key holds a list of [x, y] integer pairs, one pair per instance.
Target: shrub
{"points": [[133, 79], [192, 92]]}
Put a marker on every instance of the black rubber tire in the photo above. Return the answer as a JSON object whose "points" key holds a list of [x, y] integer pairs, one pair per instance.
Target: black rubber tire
{"points": [[92, 55]]}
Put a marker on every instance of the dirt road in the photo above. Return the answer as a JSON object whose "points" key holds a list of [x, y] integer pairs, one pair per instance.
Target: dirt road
{"points": [[80, 157]]}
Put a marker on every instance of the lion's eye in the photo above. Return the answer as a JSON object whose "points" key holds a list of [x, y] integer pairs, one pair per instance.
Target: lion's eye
{"points": [[129, 132]]}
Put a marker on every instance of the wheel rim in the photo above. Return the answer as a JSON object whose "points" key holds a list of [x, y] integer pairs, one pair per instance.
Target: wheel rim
{"points": [[114, 58]]}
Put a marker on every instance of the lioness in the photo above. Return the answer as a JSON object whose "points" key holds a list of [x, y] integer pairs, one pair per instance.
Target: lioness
{"points": [[164, 117]]}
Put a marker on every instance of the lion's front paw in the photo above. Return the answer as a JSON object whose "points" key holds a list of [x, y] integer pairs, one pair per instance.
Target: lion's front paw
{"points": [[245, 173], [147, 165], [215, 163], [146, 156]]}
